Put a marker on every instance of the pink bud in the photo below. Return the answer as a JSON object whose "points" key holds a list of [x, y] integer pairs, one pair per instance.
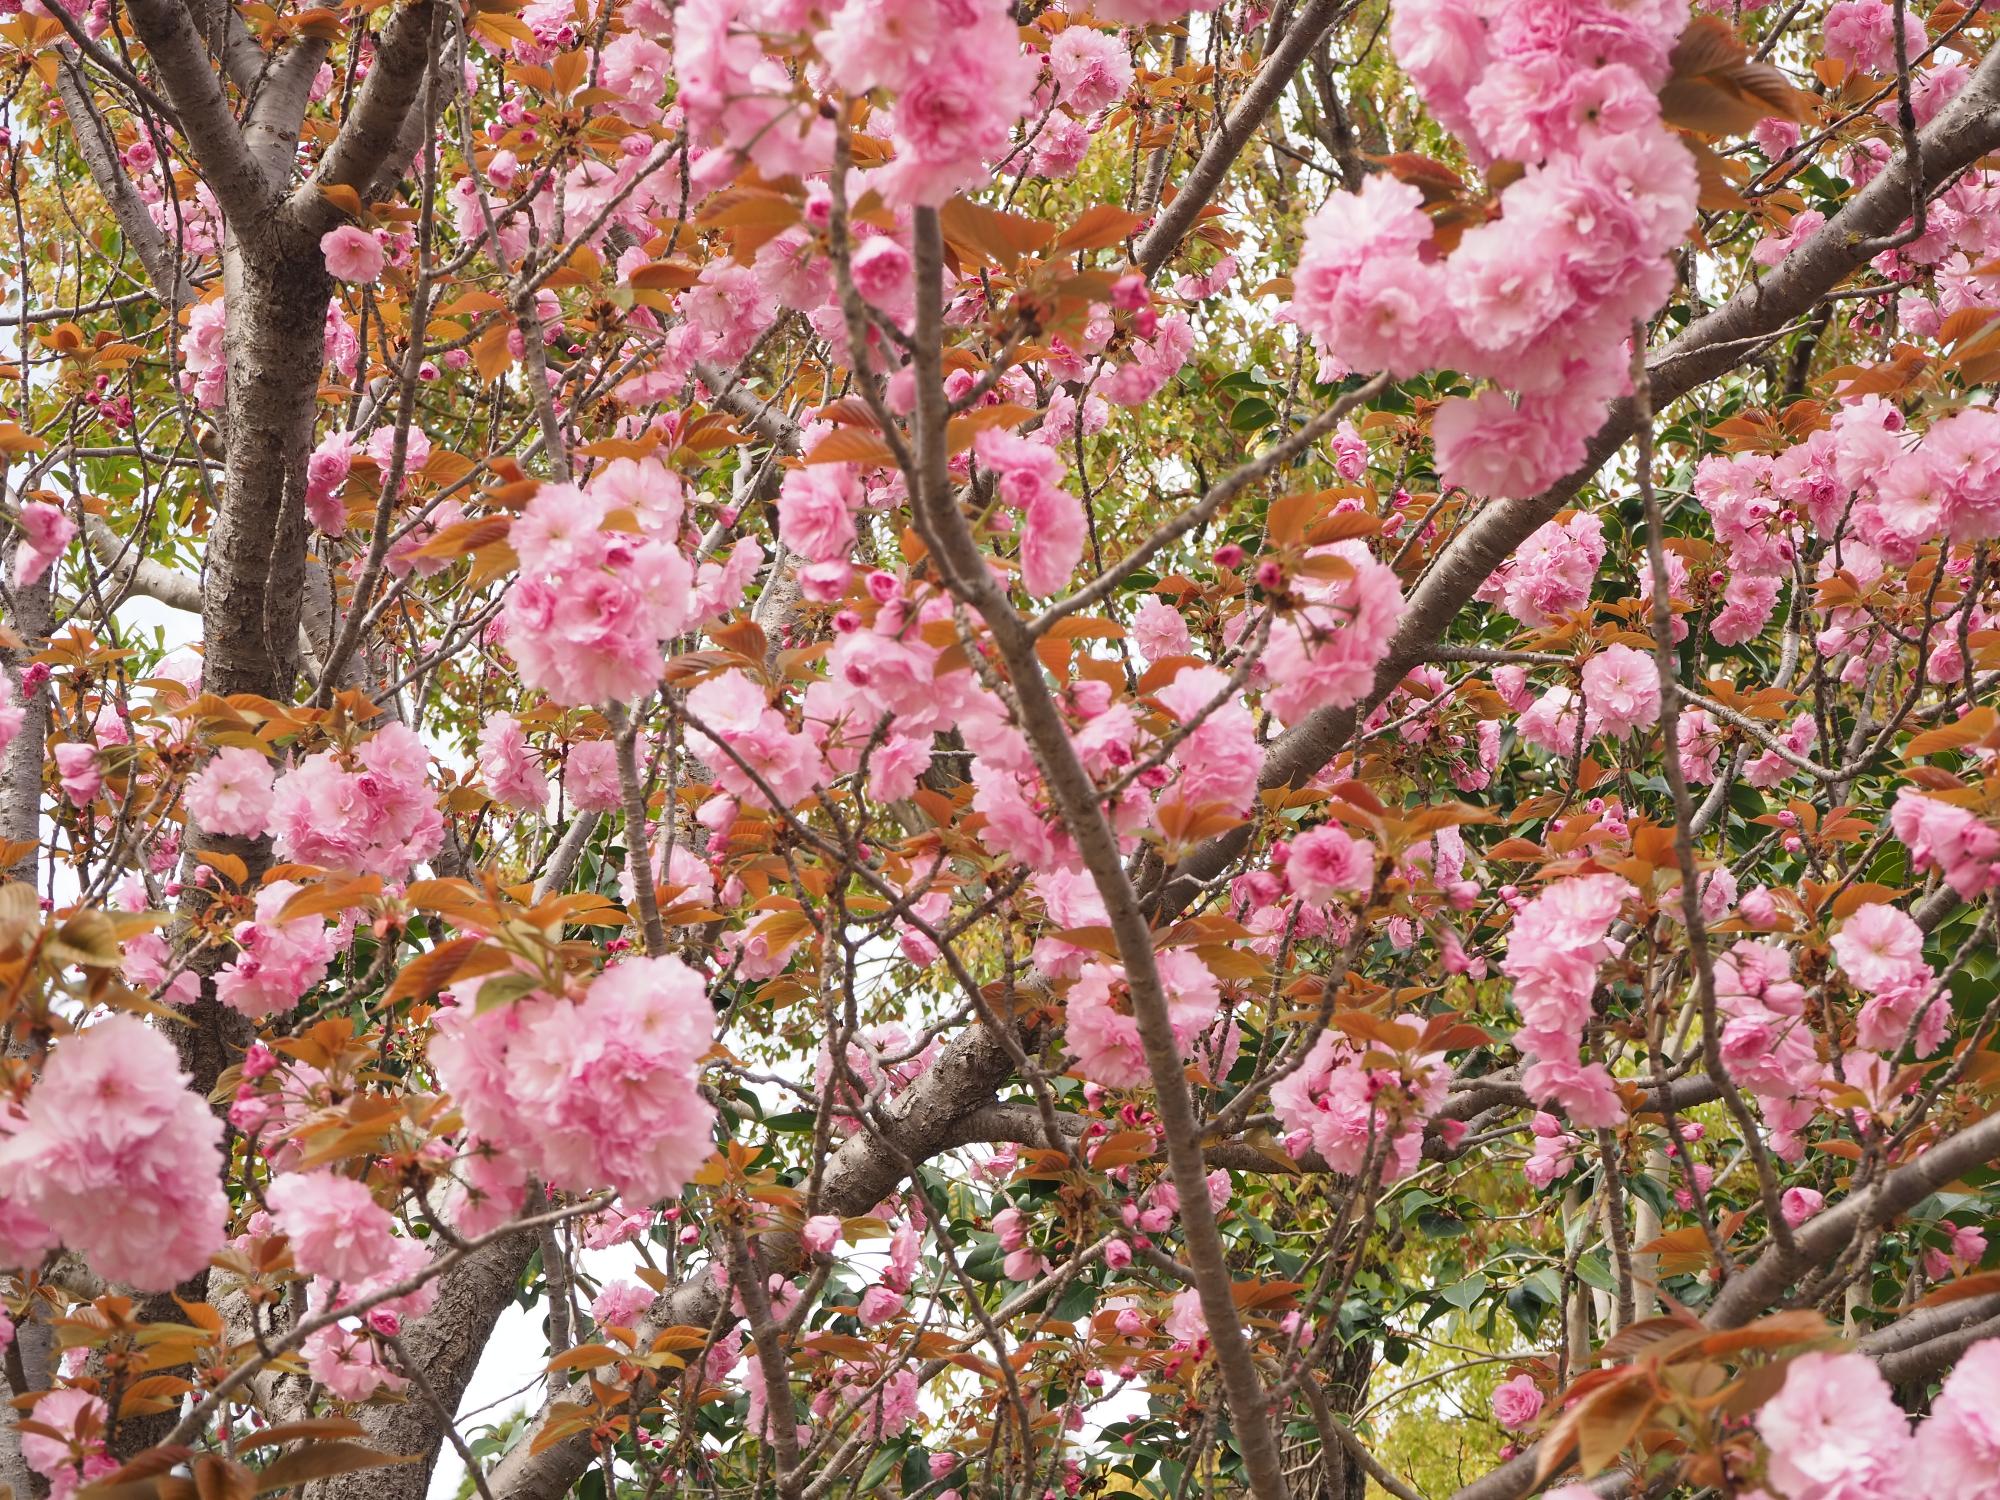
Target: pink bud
{"points": [[820, 1233]]}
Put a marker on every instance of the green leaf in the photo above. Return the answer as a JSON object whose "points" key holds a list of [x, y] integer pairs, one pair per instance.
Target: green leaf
{"points": [[1252, 414], [1463, 1294], [1592, 1270], [1437, 1224]]}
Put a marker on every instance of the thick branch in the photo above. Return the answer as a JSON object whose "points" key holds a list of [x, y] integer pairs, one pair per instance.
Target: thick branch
{"points": [[94, 143], [446, 1346], [182, 63], [229, 41], [1281, 65], [376, 123], [272, 130]]}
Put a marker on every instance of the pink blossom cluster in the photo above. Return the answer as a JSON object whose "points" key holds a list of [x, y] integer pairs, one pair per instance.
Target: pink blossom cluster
{"points": [[959, 77], [1551, 573], [1327, 862], [1862, 34], [1835, 1432], [1553, 951], [507, 765], [1028, 478], [1356, 1103], [1943, 836], [336, 1228], [487, 1190], [620, 1304], [750, 746], [371, 811], [591, 1092], [1539, 300], [232, 793], [1218, 758], [349, 1363], [1621, 690], [1088, 71], [1881, 951], [603, 583], [1553, 1152], [276, 960], [46, 530], [1323, 654], [1103, 1033], [113, 1121], [590, 776], [1767, 1045], [70, 1453], [1876, 493]]}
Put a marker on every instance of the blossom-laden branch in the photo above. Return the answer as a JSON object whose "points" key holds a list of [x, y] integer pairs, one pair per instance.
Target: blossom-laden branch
{"points": [[868, 693]]}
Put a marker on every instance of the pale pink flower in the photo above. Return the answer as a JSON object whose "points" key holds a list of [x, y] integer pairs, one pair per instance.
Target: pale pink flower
{"points": [[590, 776], [1092, 69], [816, 506], [591, 1093], [1186, 1324], [81, 774], [1586, 1092], [1326, 863], [276, 961], [821, 1233], [513, 778], [77, 1454], [879, 1304], [113, 1121], [622, 1303], [1160, 631], [1835, 1432], [1958, 1445], [1105, 1037], [1622, 687], [232, 793], [46, 530], [1517, 1402], [335, 1226], [1879, 946], [352, 253], [1799, 1204]]}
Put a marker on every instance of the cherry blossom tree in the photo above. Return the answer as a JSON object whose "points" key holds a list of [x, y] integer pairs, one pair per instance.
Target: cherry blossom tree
{"points": [[1049, 748]]}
